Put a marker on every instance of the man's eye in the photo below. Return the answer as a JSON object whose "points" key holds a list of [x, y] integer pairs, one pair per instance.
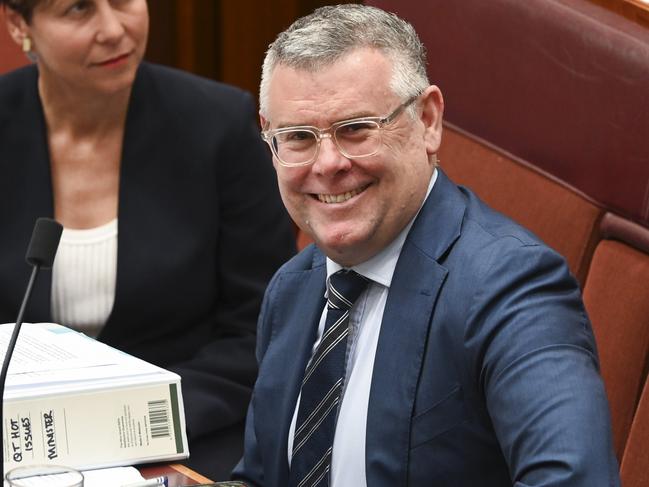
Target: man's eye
{"points": [[298, 136], [356, 128]]}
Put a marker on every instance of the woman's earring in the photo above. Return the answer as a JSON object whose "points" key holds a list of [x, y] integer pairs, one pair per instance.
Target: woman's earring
{"points": [[27, 49], [27, 44]]}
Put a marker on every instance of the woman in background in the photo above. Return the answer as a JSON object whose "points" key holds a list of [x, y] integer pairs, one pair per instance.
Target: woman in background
{"points": [[173, 223]]}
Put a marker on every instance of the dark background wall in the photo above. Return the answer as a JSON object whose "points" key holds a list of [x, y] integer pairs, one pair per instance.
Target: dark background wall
{"points": [[221, 39], [226, 39]]}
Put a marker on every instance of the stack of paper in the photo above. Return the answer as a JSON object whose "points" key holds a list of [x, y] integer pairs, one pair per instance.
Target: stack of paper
{"points": [[103, 477], [74, 401]]}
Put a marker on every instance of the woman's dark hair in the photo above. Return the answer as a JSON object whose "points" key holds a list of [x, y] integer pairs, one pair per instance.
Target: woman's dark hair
{"points": [[24, 7]]}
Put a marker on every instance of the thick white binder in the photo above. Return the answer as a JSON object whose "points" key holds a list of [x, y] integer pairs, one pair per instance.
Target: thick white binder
{"points": [[72, 400]]}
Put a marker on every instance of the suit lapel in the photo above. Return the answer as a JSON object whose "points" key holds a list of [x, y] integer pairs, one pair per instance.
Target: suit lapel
{"points": [[134, 167], [36, 159], [302, 304], [415, 286]]}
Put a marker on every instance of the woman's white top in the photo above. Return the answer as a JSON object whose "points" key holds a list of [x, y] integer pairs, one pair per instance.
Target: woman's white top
{"points": [[83, 278]]}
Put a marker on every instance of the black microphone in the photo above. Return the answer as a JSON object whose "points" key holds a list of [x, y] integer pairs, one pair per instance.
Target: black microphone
{"points": [[40, 255]]}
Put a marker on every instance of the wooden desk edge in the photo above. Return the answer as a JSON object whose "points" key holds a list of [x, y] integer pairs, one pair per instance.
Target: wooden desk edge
{"points": [[190, 473], [178, 475]]}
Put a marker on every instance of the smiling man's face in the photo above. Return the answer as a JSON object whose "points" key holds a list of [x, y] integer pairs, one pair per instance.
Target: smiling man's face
{"points": [[353, 208]]}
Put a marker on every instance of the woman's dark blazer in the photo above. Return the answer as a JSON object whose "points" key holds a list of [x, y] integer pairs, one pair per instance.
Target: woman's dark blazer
{"points": [[201, 231]]}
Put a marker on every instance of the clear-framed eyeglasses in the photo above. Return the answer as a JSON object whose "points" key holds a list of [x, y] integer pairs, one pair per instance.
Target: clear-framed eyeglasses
{"points": [[358, 137]]}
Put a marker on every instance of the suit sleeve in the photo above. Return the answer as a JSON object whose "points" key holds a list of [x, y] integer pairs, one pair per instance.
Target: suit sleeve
{"points": [[250, 469], [255, 238], [539, 372]]}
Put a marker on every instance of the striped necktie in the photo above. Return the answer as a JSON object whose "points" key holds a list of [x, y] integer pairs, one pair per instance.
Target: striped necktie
{"points": [[322, 386]]}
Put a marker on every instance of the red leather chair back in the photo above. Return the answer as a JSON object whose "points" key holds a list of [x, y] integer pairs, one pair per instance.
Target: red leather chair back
{"points": [[561, 84], [11, 57]]}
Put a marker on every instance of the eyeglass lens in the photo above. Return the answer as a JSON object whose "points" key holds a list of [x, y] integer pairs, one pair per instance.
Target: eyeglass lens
{"points": [[354, 139]]}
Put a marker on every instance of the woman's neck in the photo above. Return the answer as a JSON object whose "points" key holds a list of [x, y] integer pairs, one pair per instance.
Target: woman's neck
{"points": [[82, 112]]}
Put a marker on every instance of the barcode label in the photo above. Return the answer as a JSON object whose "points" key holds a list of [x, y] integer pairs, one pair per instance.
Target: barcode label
{"points": [[159, 419]]}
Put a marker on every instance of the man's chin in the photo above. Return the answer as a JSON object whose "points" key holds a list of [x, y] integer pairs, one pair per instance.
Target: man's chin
{"points": [[342, 248]]}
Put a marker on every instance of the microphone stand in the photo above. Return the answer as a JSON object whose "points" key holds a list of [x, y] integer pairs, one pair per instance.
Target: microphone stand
{"points": [[40, 254], [9, 353]]}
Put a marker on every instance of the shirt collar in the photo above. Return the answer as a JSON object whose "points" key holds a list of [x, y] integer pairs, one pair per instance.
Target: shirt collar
{"points": [[380, 268]]}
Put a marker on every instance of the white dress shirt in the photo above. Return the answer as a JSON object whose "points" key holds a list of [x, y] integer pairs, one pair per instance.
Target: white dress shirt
{"points": [[348, 455]]}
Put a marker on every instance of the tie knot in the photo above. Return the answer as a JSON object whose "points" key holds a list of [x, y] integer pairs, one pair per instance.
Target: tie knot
{"points": [[343, 288]]}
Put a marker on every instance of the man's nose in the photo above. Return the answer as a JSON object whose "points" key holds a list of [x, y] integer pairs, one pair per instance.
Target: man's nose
{"points": [[329, 159]]}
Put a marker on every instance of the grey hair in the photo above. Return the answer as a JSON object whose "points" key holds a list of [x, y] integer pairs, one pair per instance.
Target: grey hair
{"points": [[329, 33]]}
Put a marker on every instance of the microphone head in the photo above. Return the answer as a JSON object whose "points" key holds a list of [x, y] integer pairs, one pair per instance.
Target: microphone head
{"points": [[44, 242]]}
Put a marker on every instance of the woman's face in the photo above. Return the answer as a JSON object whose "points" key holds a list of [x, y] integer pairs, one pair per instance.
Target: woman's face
{"points": [[89, 45]]}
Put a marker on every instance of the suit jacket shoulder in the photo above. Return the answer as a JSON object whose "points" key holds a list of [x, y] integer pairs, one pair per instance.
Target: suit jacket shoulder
{"points": [[15, 87], [186, 93], [483, 328]]}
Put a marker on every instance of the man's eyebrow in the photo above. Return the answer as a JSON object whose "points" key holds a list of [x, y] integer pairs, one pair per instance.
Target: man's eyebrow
{"points": [[284, 125], [364, 114], [352, 116]]}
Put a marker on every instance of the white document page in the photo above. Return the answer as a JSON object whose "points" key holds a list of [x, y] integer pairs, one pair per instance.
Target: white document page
{"points": [[73, 400], [103, 477], [50, 355]]}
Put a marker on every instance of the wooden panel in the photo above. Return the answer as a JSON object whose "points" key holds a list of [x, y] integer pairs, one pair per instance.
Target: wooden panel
{"points": [[185, 35], [162, 46], [221, 39], [247, 28]]}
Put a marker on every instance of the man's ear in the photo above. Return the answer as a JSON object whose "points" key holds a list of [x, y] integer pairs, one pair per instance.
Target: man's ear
{"points": [[16, 25], [432, 111], [264, 123]]}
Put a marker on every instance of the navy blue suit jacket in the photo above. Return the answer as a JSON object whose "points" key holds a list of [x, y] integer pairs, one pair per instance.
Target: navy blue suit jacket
{"points": [[486, 372]]}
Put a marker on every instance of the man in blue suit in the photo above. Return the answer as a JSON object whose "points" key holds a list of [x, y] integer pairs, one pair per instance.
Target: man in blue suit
{"points": [[464, 357]]}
